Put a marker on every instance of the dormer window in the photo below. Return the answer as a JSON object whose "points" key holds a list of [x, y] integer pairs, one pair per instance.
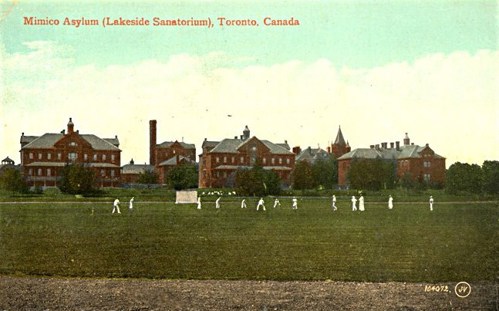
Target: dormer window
{"points": [[73, 144]]}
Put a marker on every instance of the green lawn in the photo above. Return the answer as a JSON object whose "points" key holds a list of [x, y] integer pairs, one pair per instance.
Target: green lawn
{"points": [[455, 242]]}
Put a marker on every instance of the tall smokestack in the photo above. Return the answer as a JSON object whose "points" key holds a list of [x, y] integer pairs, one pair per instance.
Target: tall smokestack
{"points": [[152, 142]]}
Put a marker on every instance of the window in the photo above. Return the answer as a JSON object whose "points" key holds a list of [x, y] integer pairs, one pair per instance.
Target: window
{"points": [[49, 172], [31, 155], [427, 177], [288, 161], [427, 164], [280, 160], [225, 159], [103, 157], [217, 159], [95, 157], [273, 160], [112, 157], [40, 156], [39, 172], [49, 156], [242, 160], [233, 159], [72, 144], [264, 161], [59, 156], [30, 172], [225, 174], [72, 156], [102, 173], [85, 157], [112, 173]]}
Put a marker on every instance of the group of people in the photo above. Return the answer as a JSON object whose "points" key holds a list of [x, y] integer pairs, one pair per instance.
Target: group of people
{"points": [[116, 205], [261, 204]]}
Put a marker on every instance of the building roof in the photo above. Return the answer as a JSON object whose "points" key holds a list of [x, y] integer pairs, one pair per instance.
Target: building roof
{"points": [[136, 168], [48, 140], [404, 152], [167, 144], [340, 140], [235, 167], [312, 154], [231, 145], [173, 161]]}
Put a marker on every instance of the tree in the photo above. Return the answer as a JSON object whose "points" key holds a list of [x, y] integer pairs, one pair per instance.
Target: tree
{"points": [[325, 172], [371, 174], [490, 171], [77, 179], [148, 177], [257, 181], [303, 176], [184, 176], [464, 177], [13, 181]]}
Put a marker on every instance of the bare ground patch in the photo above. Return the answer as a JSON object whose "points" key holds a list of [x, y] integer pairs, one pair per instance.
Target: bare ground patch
{"points": [[44, 293]]}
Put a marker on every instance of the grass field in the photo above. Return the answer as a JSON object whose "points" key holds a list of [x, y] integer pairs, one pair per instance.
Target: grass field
{"points": [[455, 242]]}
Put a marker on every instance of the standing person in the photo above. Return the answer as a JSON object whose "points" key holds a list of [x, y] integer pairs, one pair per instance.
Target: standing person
{"points": [[431, 203], [130, 204], [295, 203], [390, 202], [334, 203], [354, 202], [261, 203], [243, 203], [276, 202], [199, 202], [361, 203], [116, 206], [217, 202]]}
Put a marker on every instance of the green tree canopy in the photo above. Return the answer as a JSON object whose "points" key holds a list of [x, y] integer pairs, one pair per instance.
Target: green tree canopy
{"points": [[148, 177], [491, 177], [77, 179], [257, 181], [303, 176], [13, 181], [464, 177], [325, 172], [184, 176], [371, 174]]}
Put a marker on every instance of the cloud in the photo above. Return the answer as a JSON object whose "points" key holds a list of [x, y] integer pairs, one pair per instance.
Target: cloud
{"points": [[444, 100]]}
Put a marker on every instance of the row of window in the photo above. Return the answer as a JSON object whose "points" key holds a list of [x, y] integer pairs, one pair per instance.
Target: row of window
{"points": [[72, 156], [264, 160], [52, 172]]}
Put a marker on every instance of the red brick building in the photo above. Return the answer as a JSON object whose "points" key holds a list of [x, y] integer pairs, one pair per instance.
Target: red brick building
{"points": [[340, 146], [43, 157], [163, 157], [221, 159], [421, 163]]}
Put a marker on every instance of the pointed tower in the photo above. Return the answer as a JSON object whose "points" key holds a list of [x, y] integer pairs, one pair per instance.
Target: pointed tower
{"points": [[340, 147]]}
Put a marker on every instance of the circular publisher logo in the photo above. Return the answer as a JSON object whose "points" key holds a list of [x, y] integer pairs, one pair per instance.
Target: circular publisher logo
{"points": [[462, 289]]}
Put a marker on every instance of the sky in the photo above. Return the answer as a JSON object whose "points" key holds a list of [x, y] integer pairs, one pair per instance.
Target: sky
{"points": [[378, 69]]}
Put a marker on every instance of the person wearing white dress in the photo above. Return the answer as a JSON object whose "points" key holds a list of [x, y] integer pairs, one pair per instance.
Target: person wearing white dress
{"points": [[243, 203], [390, 202], [217, 202], [261, 203], [354, 203], [361, 203], [295, 203], [334, 203], [431, 203], [130, 205], [199, 202]]}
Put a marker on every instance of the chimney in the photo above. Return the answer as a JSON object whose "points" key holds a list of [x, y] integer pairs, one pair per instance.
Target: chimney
{"points": [[397, 145], [329, 149], [392, 144], [384, 145], [131, 161], [152, 142], [407, 140], [296, 150], [372, 146], [70, 126]]}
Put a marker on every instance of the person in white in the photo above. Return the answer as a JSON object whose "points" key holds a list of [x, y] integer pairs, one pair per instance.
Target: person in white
{"points": [[334, 203], [217, 202], [390, 202], [261, 203], [276, 202], [295, 203], [431, 203], [243, 203], [199, 202], [354, 203], [130, 205], [116, 206], [361, 203]]}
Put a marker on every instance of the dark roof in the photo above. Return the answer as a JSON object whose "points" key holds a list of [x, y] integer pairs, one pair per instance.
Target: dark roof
{"points": [[230, 145], [167, 144], [340, 140], [136, 168], [49, 139], [173, 161], [311, 154], [404, 152]]}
